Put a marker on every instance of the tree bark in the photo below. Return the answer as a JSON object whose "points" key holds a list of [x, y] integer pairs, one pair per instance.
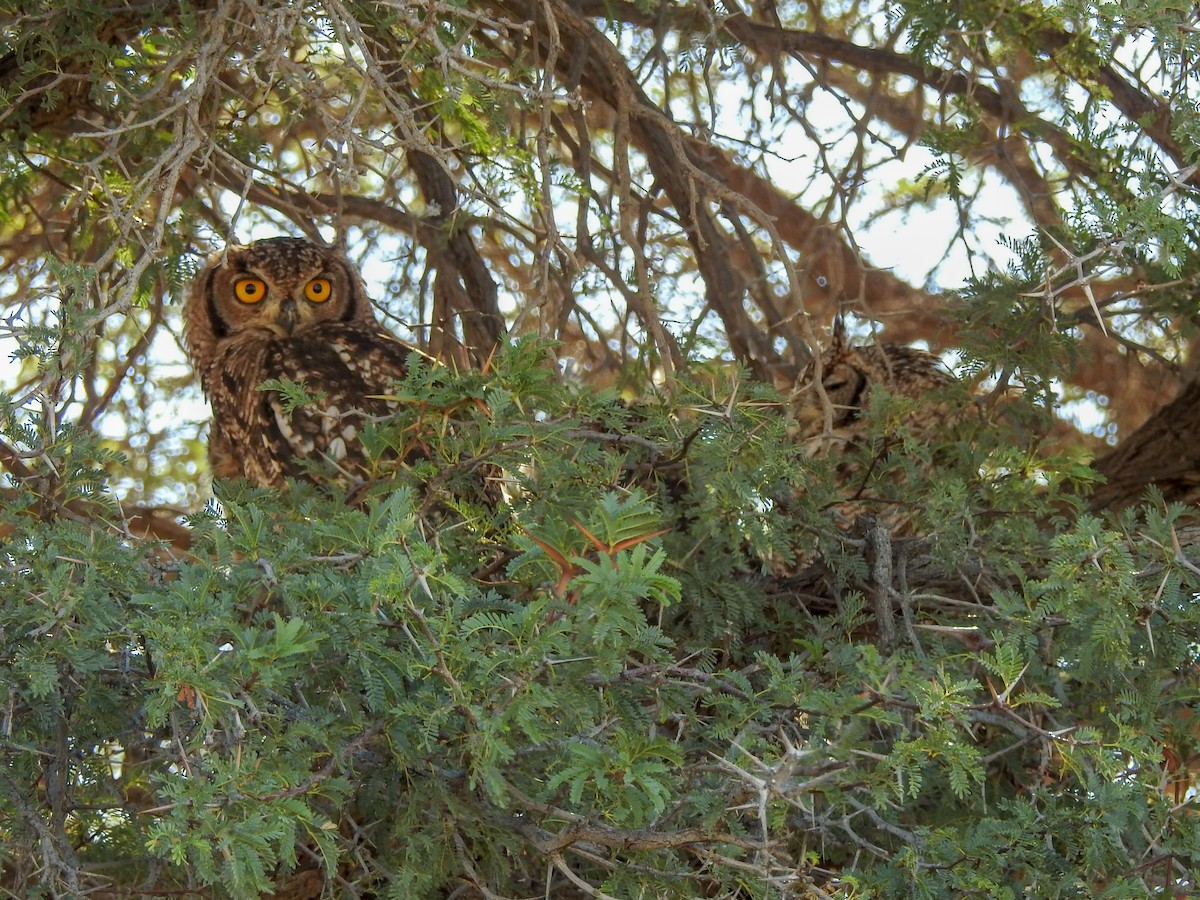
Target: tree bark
{"points": [[1164, 452]]}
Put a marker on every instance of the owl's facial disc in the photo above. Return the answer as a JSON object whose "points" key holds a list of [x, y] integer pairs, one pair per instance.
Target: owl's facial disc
{"points": [[285, 304]]}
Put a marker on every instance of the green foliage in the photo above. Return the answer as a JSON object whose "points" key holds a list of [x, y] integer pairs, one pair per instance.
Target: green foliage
{"points": [[632, 675], [578, 644], [291, 394]]}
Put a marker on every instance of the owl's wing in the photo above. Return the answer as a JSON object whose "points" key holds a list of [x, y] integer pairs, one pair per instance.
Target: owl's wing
{"points": [[371, 353], [347, 369]]}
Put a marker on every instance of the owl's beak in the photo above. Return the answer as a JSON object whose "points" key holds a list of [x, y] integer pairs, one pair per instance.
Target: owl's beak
{"points": [[287, 315]]}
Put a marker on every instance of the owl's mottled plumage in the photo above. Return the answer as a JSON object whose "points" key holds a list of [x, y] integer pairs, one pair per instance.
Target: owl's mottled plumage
{"points": [[850, 374], [288, 309], [861, 447]]}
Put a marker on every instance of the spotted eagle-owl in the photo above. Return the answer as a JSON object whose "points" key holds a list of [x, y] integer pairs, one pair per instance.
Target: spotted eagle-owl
{"points": [[288, 309], [839, 427], [848, 377]]}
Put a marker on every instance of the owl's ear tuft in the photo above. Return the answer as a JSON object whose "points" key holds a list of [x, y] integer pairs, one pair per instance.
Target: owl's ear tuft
{"points": [[838, 333]]}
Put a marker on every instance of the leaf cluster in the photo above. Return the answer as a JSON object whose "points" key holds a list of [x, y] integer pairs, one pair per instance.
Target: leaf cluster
{"points": [[624, 645]]}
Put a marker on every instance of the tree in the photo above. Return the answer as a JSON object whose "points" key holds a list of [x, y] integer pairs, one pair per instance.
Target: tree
{"points": [[684, 656]]}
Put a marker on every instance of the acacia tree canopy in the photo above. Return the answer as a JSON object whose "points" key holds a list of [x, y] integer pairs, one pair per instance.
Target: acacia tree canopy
{"points": [[683, 656]]}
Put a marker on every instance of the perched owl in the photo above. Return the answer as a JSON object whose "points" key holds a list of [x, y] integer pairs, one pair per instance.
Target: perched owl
{"points": [[864, 450], [288, 309], [850, 374]]}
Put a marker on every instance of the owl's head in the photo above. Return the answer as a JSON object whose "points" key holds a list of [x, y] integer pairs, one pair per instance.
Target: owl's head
{"points": [[848, 375], [279, 287], [845, 379]]}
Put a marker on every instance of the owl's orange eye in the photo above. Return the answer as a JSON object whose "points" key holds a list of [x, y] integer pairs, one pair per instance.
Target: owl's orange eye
{"points": [[250, 290], [318, 290]]}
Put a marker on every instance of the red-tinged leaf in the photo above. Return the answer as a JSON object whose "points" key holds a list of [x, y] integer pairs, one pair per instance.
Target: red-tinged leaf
{"points": [[596, 542], [634, 541], [567, 569]]}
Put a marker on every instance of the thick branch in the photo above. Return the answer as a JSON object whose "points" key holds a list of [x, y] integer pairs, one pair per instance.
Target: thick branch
{"points": [[463, 280], [1164, 452]]}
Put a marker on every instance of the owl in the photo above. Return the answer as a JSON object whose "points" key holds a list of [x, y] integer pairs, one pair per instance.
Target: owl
{"points": [[848, 377], [865, 452], [288, 309]]}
